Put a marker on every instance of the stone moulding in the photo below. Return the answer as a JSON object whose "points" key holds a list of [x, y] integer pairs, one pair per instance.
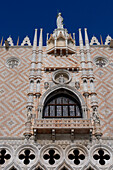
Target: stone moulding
{"points": [[100, 61], [65, 87], [10, 41], [26, 41], [13, 62], [82, 150], [94, 41], [58, 149], [60, 72], [40, 149], [108, 39], [63, 126]]}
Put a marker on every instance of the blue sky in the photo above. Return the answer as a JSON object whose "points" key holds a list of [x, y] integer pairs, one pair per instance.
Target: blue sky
{"points": [[20, 18]]}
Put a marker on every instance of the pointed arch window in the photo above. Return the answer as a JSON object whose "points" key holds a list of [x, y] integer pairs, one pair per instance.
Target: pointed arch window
{"points": [[62, 105]]}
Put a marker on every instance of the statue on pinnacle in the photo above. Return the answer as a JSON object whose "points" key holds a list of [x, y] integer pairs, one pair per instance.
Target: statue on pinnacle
{"points": [[59, 21]]}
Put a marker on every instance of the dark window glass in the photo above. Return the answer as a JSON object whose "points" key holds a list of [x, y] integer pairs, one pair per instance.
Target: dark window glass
{"points": [[72, 110], [46, 111], [65, 100], [59, 100], [62, 106], [59, 111], [52, 111], [77, 111], [65, 111], [52, 102]]}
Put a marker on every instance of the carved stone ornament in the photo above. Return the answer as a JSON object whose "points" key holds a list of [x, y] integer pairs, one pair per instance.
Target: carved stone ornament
{"points": [[77, 84], [101, 61], [12, 62], [46, 85], [94, 41], [61, 77], [95, 116], [26, 41], [59, 21], [101, 156]]}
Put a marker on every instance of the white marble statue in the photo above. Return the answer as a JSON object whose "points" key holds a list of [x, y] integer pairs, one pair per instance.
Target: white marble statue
{"points": [[59, 21], [96, 116], [61, 79]]}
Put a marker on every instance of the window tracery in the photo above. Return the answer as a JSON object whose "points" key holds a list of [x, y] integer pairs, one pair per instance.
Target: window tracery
{"points": [[76, 156], [27, 156], [4, 156], [61, 77], [12, 62], [62, 106], [101, 156], [51, 156], [100, 61]]}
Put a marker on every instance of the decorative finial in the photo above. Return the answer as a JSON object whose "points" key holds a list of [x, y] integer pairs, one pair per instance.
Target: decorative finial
{"points": [[40, 39], [101, 40], [86, 36], [1, 41], [59, 21], [17, 41], [47, 36], [80, 37], [74, 36], [35, 40]]}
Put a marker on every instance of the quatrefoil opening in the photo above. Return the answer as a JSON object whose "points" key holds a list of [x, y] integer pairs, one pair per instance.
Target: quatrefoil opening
{"points": [[76, 156], [101, 156], [51, 156], [27, 156]]}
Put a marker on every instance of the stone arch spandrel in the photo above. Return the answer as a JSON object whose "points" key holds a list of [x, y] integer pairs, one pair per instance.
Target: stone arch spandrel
{"points": [[8, 151], [64, 164], [45, 150], [90, 165], [12, 165], [21, 151], [58, 87], [107, 151], [82, 151], [38, 165]]}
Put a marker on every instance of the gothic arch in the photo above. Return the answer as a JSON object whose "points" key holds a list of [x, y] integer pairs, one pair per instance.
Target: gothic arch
{"points": [[58, 87], [45, 150], [12, 165], [82, 150], [39, 165], [10, 151], [107, 150], [21, 151], [64, 164], [90, 165]]}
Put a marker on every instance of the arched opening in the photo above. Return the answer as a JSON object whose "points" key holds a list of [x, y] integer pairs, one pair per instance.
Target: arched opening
{"points": [[64, 168], [90, 168], [13, 168], [38, 168], [62, 104]]}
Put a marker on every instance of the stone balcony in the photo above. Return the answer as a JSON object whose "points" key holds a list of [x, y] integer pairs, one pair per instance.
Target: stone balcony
{"points": [[61, 126]]}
